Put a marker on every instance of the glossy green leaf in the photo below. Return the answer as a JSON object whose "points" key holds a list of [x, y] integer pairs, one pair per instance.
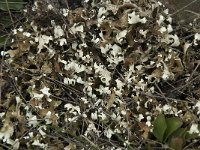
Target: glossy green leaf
{"points": [[5, 5], [173, 124], [160, 127]]}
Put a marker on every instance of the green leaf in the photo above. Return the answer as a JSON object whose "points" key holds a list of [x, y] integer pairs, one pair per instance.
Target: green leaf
{"points": [[160, 127], [5, 40], [173, 124], [181, 132], [5, 21], [2, 40], [176, 143], [5, 5], [180, 138], [148, 147]]}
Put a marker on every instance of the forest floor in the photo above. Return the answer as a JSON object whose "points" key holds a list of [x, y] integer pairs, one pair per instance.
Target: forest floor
{"points": [[102, 74]]}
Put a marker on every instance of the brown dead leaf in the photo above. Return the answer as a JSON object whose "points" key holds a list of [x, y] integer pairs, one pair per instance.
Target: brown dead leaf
{"points": [[71, 146], [33, 103], [131, 59], [122, 22], [53, 117], [22, 47], [157, 73], [176, 66], [107, 30], [114, 1], [111, 100], [145, 130], [130, 37], [2, 83], [189, 117], [197, 92], [22, 127], [41, 57], [46, 68], [155, 30], [43, 112], [127, 6], [7, 128], [76, 15], [57, 67]]}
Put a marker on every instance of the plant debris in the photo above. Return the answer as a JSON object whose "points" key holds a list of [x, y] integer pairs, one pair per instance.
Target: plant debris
{"points": [[97, 75]]}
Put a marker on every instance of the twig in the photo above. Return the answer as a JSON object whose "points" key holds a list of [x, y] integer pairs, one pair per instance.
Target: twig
{"points": [[5, 146], [173, 99], [1, 79], [187, 84], [161, 93], [73, 90], [14, 83], [194, 13], [62, 99], [92, 144], [183, 7], [9, 11], [192, 143], [192, 74], [175, 89]]}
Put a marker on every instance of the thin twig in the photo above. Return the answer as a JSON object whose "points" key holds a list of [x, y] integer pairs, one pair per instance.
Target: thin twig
{"points": [[173, 99], [92, 144], [14, 83], [175, 89], [183, 7], [192, 12], [192, 143], [9, 11], [192, 74], [188, 83], [5, 146], [161, 93]]}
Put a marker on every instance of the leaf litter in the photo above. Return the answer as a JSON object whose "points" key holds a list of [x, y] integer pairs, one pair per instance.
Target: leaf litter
{"points": [[97, 76]]}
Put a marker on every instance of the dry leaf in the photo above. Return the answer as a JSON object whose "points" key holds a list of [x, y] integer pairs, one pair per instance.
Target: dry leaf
{"points": [[53, 118], [43, 112], [46, 68], [111, 99], [157, 73], [71, 146], [57, 67], [145, 130], [22, 47], [189, 117], [33, 102], [106, 28], [122, 22]]}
